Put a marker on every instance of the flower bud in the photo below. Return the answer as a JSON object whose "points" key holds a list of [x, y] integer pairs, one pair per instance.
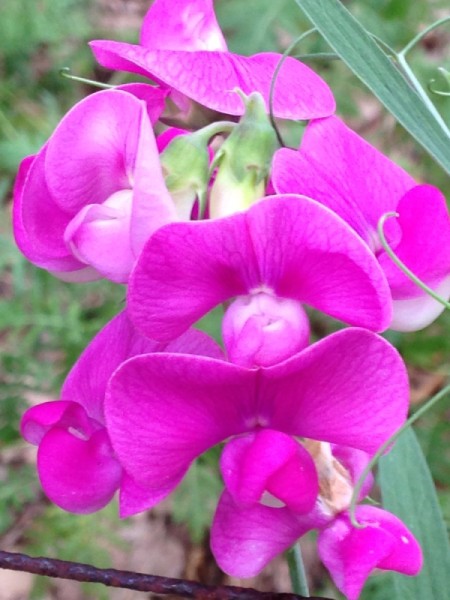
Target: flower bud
{"points": [[244, 161], [185, 163], [260, 330]]}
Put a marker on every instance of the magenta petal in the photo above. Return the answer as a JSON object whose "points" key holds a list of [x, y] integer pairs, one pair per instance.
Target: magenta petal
{"points": [[355, 461], [39, 419], [135, 499], [351, 388], [244, 540], [338, 168], [152, 204], [113, 345], [153, 96], [351, 554], [87, 380], [190, 26], [425, 244], [99, 236], [210, 78], [262, 330], [79, 475], [34, 209], [163, 410], [289, 244], [269, 461], [101, 133]]}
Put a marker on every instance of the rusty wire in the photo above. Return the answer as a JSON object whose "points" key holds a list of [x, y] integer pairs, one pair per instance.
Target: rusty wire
{"points": [[51, 567]]}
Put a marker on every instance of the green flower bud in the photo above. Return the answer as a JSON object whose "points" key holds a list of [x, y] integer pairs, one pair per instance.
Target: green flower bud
{"points": [[185, 164], [244, 161]]}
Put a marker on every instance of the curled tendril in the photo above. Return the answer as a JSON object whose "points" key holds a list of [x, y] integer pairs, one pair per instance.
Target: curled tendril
{"points": [[66, 72], [446, 75], [423, 286]]}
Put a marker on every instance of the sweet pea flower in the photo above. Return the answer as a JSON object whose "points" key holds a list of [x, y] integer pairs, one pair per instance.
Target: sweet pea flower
{"points": [[342, 171], [245, 540], [77, 466], [98, 182], [182, 49], [164, 410], [322, 489], [283, 247], [245, 536]]}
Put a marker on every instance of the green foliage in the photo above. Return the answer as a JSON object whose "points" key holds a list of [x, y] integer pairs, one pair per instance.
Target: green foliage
{"points": [[366, 59], [408, 491], [195, 500], [45, 325], [18, 487], [81, 538], [36, 40]]}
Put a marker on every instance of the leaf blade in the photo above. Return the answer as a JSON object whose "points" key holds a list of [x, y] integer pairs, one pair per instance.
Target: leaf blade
{"points": [[408, 491], [371, 65]]}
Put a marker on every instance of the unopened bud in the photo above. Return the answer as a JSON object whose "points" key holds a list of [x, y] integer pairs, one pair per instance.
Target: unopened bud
{"points": [[244, 161], [185, 164]]}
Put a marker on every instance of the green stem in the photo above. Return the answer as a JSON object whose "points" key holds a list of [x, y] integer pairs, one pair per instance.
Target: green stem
{"points": [[65, 72], [213, 129], [410, 45], [286, 53], [376, 457], [401, 265], [297, 571]]}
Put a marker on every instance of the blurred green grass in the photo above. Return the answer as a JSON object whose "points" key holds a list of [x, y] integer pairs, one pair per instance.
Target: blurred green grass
{"points": [[45, 323]]}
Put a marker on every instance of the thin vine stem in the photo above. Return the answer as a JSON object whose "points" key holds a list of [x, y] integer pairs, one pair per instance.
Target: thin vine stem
{"points": [[376, 457], [66, 73], [410, 45], [285, 55], [297, 571]]}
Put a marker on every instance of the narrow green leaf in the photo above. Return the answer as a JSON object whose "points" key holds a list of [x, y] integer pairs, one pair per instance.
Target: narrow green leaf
{"points": [[364, 57], [408, 491]]}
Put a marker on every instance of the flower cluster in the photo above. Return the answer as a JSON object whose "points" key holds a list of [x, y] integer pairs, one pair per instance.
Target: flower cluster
{"points": [[211, 212]]}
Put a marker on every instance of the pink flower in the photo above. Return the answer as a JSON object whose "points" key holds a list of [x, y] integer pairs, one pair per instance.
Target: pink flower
{"points": [[88, 201], [287, 247], [182, 48], [77, 466], [351, 554], [245, 536], [342, 171], [164, 410]]}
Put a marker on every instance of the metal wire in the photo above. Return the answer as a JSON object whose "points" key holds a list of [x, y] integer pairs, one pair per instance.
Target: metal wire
{"points": [[140, 582]]}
